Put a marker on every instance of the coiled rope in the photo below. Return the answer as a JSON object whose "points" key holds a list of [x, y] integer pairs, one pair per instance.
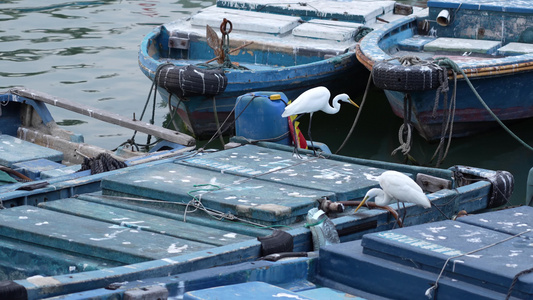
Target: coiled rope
{"points": [[102, 163]]}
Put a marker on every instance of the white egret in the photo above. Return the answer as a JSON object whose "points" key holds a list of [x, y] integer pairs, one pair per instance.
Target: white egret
{"points": [[396, 185], [313, 100]]}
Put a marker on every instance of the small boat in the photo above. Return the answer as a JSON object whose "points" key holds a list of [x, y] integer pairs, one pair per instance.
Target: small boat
{"points": [[40, 161], [208, 209], [483, 256], [489, 42], [263, 46]]}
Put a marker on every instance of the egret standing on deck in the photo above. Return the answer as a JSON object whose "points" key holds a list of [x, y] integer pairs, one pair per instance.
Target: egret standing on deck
{"points": [[313, 100], [396, 185]]}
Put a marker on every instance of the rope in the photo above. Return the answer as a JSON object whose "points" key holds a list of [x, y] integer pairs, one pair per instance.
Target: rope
{"points": [[221, 132], [444, 61], [358, 113], [430, 292], [215, 113], [405, 128], [153, 88], [515, 280], [448, 117], [102, 163]]}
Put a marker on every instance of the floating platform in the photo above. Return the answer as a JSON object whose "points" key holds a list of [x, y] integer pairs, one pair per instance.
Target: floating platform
{"points": [[198, 211], [263, 185], [480, 256], [483, 254]]}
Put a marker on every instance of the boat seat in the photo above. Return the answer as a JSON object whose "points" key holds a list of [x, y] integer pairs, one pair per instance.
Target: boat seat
{"points": [[247, 290], [327, 30], [516, 49], [33, 168], [245, 20], [45, 174], [416, 43], [364, 12], [463, 45], [14, 150]]}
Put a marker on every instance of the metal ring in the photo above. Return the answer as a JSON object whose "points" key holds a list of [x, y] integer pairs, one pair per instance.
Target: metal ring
{"points": [[223, 27]]}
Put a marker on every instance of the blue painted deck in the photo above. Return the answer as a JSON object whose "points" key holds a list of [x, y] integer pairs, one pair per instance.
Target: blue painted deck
{"points": [[396, 264], [137, 228], [416, 255]]}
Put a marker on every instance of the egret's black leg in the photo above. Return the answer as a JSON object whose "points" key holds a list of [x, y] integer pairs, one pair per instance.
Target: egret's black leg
{"points": [[309, 133], [404, 212]]}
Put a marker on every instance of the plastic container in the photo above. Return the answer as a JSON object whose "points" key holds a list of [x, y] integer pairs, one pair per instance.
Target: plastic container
{"points": [[322, 229], [258, 117]]}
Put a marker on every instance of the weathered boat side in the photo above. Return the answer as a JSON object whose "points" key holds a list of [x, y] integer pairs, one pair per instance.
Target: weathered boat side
{"points": [[499, 70], [496, 239], [277, 47]]}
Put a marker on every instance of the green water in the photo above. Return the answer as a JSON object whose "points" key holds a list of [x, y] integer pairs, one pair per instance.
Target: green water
{"points": [[86, 51]]}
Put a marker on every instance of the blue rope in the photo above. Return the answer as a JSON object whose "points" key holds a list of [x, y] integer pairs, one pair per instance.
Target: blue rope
{"points": [[446, 62]]}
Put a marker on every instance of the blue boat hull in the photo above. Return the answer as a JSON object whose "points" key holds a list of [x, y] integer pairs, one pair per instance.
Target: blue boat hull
{"points": [[289, 73], [501, 77], [470, 116]]}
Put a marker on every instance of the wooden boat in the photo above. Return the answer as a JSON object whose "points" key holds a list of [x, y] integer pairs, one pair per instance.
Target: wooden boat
{"points": [[206, 210], [273, 46], [40, 161], [483, 256], [489, 41]]}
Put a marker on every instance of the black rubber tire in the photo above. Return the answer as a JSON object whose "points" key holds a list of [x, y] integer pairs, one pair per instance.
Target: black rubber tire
{"points": [[12, 290], [278, 242], [191, 80], [400, 78]]}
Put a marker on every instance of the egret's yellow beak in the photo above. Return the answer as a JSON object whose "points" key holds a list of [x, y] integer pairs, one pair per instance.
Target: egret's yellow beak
{"points": [[353, 103], [360, 204]]}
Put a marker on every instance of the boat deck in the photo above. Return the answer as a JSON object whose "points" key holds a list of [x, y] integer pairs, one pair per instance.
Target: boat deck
{"points": [[195, 206], [480, 254], [320, 27]]}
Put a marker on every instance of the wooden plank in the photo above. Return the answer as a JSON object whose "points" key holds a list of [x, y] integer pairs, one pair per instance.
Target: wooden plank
{"points": [[325, 31], [20, 260], [462, 45], [14, 150], [102, 115], [344, 181], [169, 210], [245, 20], [144, 222], [89, 237], [256, 200]]}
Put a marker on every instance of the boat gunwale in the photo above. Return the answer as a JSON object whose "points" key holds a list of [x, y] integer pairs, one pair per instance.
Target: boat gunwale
{"points": [[477, 69], [333, 63]]}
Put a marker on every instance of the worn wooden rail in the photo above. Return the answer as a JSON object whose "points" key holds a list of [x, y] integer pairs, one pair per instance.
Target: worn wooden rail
{"points": [[166, 134]]}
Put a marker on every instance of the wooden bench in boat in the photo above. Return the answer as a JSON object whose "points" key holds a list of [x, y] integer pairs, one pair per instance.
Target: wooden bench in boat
{"points": [[415, 43], [516, 49], [463, 45], [364, 12], [327, 30], [14, 150], [245, 20]]}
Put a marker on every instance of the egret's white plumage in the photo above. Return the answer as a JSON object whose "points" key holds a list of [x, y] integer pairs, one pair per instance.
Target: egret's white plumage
{"points": [[316, 99], [312, 100], [396, 185]]}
